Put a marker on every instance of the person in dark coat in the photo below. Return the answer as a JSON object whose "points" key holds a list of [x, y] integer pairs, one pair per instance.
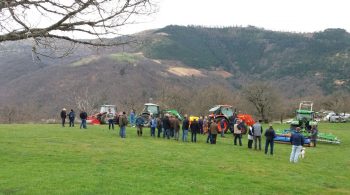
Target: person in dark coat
{"points": [[313, 138], [177, 128], [83, 117], [71, 117], [200, 123], [172, 125], [194, 130], [270, 136], [185, 127], [63, 116], [159, 126], [166, 126]]}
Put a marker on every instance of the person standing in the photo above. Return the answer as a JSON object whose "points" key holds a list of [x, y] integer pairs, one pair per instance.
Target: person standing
{"points": [[177, 128], [139, 125], [205, 125], [297, 141], [270, 136], [250, 137], [257, 132], [313, 138], [185, 126], [237, 133], [123, 121], [110, 119], [172, 126], [83, 117], [63, 116], [200, 123], [166, 126], [132, 118], [210, 121], [153, 126], [194, 130], [71, 117], [159, 126], [232, 122], [222, 125], [213, 132]]}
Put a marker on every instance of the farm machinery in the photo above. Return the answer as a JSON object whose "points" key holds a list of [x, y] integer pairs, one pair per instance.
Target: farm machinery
{"points": [[100, 117], [305, 119], [226, 115], [151, 109]]}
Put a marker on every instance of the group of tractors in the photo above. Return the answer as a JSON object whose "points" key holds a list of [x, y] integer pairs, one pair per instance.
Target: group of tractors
{"points": [[224, 115]]}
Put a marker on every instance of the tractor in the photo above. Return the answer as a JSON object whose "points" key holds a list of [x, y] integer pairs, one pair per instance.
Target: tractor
{"points": [[220, 112], [305, 116], [154, 110], [100, 117], [305, 119], [226, 113]]}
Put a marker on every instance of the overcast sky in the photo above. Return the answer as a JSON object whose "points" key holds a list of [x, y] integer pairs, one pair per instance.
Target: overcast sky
{"points": [[281, 15]]}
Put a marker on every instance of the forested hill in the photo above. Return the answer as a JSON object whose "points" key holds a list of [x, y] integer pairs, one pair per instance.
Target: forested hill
{"points": [[322, 57]]}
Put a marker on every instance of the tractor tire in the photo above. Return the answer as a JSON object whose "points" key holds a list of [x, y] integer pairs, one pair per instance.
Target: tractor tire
{"points": [[226, 125]]}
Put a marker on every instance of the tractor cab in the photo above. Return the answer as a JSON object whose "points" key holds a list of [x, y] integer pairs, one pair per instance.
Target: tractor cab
{"points": [[151, 109], [105, 109], [222, 110], [305, 116]]}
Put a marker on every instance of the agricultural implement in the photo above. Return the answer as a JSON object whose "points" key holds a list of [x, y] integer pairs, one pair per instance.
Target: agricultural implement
{"points": [[100, 117], [305, 119]]}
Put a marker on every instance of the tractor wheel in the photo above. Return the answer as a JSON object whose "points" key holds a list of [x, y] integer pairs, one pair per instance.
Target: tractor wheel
{"points": [[226, 124]]}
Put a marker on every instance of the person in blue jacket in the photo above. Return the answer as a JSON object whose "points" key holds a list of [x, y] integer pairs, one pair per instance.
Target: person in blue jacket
{"points": [[297, 140], [71, 117], [140, 121]]}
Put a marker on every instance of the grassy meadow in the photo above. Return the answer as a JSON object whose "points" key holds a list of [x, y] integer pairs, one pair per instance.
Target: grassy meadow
{"points": [[49, 159]]}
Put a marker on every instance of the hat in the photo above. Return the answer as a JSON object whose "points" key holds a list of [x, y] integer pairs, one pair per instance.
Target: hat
{"points": [[64, 109]]}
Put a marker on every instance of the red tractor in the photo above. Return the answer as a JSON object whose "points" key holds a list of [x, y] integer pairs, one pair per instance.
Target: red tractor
{"points": [[224, 113], [100, 117], [219, 113]]}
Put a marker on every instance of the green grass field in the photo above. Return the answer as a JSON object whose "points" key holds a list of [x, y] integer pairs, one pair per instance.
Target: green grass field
{"points": [[49, 159]]}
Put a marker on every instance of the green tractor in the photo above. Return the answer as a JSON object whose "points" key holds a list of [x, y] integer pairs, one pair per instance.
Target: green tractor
{"points": [[305, 116], [151, 109], [305, 119]]}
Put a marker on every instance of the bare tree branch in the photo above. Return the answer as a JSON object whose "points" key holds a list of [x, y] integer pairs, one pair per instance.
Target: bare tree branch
{"points": [[60, 19]]}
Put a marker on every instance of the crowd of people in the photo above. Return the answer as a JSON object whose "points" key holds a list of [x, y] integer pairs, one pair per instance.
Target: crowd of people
{"points": [[71, 116], [169, 127]]}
